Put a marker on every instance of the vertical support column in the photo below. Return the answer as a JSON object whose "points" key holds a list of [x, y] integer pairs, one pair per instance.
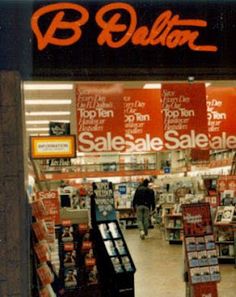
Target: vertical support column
{"points": [[14, 217]]}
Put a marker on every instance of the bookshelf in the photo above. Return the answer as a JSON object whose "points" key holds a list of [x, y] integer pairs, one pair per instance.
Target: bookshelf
{"points": [[225, 235], [174, 228]]}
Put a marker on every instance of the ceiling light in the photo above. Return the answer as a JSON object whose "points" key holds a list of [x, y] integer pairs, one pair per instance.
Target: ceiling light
{"points": [[38, 122], [47, 113], [48, 86], [39, 134], [152, 86], [37, 129], [48, 101]]}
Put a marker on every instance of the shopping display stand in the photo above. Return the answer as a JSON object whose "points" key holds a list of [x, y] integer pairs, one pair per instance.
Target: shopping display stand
{"points": [[201, 262], [115, 265]]}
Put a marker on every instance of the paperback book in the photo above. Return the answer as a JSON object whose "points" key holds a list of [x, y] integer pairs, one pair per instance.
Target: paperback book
{"points": [[210, 242], [127, 264], [212, 257], [202, 258], [120, 247], [110, 248], [190, 244], [215, 273], [205, 274], [117, 265], [195, 275], [193, 259]]}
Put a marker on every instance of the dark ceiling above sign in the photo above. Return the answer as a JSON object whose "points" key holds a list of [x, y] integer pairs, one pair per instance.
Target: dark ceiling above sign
{"points": [[128, 40]]}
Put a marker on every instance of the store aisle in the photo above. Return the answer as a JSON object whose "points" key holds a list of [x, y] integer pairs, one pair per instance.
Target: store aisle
{"points": [[160, 267]]}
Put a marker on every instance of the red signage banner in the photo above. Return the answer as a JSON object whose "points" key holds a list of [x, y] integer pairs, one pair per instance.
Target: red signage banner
{"points": [[51, 204], [221, 117], [143, 120], [100, 117], [111, 119], [184, 116]]}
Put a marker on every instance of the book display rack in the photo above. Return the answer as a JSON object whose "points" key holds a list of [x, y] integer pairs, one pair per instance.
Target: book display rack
{"points": [[201, 261], [114, 262]]}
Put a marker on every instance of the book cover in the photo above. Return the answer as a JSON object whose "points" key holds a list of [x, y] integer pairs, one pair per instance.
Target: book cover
{"points": [[69, 257], [205, 274], [45, 274], [38, 209], [190, 244], [110, 248], [114, 230], [117, 265], [51, 236], [67, 233], [210, 242], [104, 231], [40, 230], [86, 246], [224, 214], [202, 258], [120, 246], [70, 278], [195, 275], [200, 242], [212, 257], [228, 214], [215, 273], [127, 264], [219, 214], [42, 251], [92, 275], [192, 259]]}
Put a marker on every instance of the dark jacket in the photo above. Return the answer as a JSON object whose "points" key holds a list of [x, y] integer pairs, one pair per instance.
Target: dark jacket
{"points": [[144, 196]]}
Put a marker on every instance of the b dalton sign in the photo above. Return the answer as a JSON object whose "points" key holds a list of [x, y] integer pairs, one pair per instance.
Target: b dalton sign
{"points": [[162, 32], [76, 39]]}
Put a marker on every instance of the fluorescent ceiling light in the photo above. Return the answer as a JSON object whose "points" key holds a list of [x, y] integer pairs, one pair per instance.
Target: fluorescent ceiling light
{"points": [[42, 122], [39, 134], [37, 129], [47, 113], [152, 86], [48, 86], [48, 101]]}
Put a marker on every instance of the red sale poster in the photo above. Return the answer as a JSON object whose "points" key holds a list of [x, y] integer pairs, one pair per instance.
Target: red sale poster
{"points": [[221, 117], [100, 117], [50, 201], [143, 120], [197, 219], [184, 116]]}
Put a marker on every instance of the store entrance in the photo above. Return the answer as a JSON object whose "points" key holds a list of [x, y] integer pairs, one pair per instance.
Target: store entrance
{"points": [[51, 108]]}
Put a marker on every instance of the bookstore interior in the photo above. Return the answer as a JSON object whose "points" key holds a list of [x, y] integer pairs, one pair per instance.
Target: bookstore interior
{"points": [[91, 144]]}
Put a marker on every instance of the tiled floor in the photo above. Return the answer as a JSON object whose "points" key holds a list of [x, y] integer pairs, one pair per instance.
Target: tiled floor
{"points": [[160, 267]]}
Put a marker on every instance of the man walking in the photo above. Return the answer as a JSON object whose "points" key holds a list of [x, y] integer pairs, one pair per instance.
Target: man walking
{"points": [[143, 203]]}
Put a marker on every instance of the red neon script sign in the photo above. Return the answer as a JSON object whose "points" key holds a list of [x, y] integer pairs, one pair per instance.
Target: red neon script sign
{"points": [[165, 30], [58, 23]]}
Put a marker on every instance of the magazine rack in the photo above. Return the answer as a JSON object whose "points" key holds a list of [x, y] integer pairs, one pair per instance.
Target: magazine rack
{"points": [[115, 265], [201, 261]]}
